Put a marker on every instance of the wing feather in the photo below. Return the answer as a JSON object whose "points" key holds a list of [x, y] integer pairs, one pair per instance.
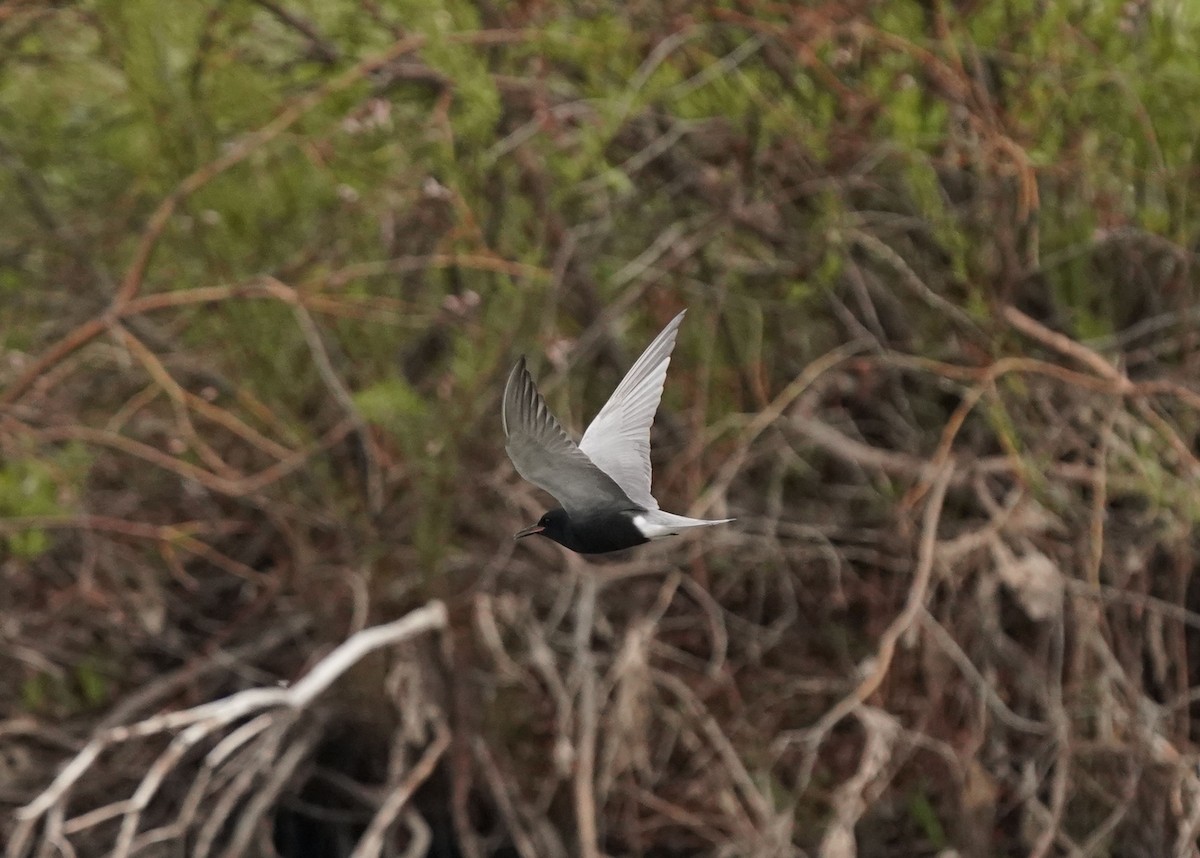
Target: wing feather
{"points": [[546, 456], [618, 440]]}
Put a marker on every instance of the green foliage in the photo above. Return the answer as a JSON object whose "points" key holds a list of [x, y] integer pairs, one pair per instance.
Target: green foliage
{"points": [[394, 405], [92, 683], [86, 687], [923, 813], [476, 99], [39, 488]]}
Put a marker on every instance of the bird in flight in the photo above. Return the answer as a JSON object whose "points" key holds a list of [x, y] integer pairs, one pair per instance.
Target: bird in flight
{"points": [[603, 482]]}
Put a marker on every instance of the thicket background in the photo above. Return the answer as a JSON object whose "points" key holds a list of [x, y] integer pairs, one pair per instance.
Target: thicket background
{"points": [[264, 267]]}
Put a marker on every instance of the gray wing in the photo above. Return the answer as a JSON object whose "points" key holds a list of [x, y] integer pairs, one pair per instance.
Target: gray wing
{"points": [[618, 440], [546, 456]]}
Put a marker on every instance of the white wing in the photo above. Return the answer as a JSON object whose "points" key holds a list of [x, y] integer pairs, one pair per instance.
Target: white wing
{"points": [[618, 441]]}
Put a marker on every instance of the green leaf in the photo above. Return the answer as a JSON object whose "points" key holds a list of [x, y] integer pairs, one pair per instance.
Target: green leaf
{"points": [[94, 687], [392, 403], [923, 813]]}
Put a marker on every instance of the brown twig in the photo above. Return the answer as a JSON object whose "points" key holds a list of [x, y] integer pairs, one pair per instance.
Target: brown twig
{"points": [[879, 666], [589, 717], [370, 845]]}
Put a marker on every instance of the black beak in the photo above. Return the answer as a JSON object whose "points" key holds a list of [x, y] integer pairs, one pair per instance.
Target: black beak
{"points": [[529, 531]]}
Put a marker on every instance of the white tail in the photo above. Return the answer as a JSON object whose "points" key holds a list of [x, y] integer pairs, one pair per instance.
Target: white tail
{"points": [[656, 524]]}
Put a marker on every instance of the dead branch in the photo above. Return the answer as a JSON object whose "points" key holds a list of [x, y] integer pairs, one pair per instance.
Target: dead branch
{"points": [[881, 663], [203, 723], [851, 798]]}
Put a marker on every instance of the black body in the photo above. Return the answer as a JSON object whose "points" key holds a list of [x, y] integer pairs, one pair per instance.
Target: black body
{"points": [[595, 533]]}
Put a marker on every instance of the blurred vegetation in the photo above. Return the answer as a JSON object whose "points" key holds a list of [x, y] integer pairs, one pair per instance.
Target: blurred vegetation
{"points": [[264, 267]]}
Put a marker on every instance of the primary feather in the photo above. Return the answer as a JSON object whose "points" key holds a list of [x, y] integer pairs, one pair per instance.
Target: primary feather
{"points": [[546, 456], [618, 440]]}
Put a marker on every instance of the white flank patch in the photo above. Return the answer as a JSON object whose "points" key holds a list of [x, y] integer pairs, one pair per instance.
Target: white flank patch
{"points": [[650, 530]]}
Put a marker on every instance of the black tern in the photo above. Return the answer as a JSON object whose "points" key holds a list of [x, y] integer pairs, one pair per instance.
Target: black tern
{"points": [[603, 482]]}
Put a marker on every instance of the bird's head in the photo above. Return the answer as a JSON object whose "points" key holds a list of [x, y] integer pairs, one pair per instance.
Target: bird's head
{"points": [[554, 525]]}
